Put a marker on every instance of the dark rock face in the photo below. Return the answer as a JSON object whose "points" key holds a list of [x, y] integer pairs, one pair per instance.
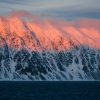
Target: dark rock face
{"points": [[81, 63]]}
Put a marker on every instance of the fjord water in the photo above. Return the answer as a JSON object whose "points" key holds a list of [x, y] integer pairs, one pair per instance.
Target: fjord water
{"points": [[50, 90]]}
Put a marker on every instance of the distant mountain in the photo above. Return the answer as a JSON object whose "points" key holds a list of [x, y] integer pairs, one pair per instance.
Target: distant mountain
{"points": [[39, 49]]}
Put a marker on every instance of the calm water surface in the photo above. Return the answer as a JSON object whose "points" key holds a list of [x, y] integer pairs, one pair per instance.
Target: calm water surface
{"points": [[69, 90]]}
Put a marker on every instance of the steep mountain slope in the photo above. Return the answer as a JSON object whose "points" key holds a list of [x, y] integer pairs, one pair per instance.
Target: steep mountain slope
{"points": [[80, 63], [39, 49]]}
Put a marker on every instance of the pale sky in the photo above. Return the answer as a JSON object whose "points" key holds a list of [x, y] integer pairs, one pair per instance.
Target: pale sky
{"points": [[67, 9]]}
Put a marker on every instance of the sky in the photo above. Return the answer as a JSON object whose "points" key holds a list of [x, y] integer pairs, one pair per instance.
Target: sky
{"points": [[66, 9]]}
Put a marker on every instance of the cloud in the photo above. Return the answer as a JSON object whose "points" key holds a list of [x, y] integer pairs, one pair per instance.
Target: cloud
{"points": [[54, 8]]}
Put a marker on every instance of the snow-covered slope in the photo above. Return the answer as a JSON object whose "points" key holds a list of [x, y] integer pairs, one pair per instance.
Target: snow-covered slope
{"points": [[39, 49], [80, 63]]}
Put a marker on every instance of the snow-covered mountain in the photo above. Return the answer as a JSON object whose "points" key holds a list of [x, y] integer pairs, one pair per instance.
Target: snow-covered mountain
{"points": [[39, 49]]}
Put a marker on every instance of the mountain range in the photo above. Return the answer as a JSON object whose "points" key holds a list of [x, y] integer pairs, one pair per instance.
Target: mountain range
{"points": [[34, 48]]}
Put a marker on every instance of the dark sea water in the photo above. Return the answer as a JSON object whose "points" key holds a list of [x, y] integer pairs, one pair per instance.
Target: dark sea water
{"points": [[69, 90]]}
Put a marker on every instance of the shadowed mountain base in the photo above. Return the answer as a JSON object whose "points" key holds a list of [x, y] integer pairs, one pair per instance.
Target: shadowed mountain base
{"points": [[80, 63]]}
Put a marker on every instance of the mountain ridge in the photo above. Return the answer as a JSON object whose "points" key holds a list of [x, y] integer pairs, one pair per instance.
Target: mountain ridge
{"points": [[47, 32]]}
